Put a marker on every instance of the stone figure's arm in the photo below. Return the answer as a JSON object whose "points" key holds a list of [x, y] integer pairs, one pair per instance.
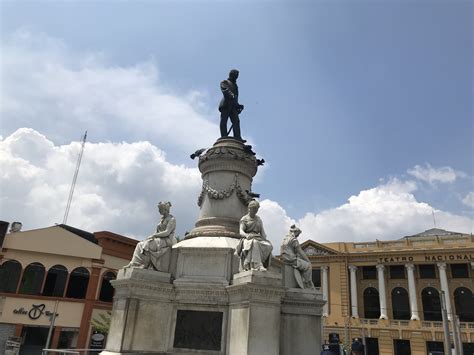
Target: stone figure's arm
{"points": [[242, 231], [170, 227], [263, 234], [228, 94], [300, 252]]}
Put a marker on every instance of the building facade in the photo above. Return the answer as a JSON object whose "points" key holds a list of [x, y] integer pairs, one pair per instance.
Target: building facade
{"points": [[389, 293], [58, 268]]}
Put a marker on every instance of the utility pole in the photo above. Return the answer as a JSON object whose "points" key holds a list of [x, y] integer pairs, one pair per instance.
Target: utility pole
{"points": [[457, 336], [444, 313], [52, 318]]}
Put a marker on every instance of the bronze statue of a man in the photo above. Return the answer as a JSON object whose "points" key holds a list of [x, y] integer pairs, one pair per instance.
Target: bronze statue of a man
{"points": [[229, 106]]}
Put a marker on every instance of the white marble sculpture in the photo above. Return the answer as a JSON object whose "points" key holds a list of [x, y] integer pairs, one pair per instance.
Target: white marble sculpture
{"points": [[148, 252], [254, 250], [292, 254]]}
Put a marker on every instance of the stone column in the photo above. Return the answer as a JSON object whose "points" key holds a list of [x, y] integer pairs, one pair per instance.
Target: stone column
{"points": [[443, 278], [412, 292], [382, 295], [354, 308], [324, 277]]}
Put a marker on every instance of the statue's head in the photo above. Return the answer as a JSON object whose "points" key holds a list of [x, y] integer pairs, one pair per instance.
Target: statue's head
{"points": [[233, 74], [295, 231], [253, 207], [164, 207]]}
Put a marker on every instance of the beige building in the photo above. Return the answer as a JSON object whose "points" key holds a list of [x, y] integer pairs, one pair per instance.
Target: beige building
{"points": [[388, 292], [61, 267]]}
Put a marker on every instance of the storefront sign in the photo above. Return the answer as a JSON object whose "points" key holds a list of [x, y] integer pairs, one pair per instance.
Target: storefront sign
{"points": [[435, 257], [12, 346], [36, 311]]}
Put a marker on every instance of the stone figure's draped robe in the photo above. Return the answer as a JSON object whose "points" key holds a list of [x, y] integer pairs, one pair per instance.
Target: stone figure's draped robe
{"points": [[149, 251], [289, 255], [256, 251]]}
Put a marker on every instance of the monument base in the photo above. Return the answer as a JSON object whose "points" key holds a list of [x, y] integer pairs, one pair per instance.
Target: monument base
{"points": [[254, 315]]}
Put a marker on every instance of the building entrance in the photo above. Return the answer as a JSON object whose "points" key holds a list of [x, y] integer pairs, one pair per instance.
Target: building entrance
{"points": [[34, 340]]}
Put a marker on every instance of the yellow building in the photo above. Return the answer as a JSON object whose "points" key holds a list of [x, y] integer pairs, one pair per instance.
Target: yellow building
{"points": [[61, 267], [388, 292]]}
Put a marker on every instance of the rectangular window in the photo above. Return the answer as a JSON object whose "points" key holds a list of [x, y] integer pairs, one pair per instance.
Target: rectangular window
{"points": [[427, 271], [434, 347], [397, 272], [317, 277], [401, 347], [369, 272], [459, 271], [372, 346]]}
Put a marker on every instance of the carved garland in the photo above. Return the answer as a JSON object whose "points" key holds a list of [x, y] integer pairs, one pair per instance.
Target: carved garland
{"points": [[220, 195]]}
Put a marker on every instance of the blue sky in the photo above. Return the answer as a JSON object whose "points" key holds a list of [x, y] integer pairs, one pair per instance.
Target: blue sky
{"points": [[340, 97]]}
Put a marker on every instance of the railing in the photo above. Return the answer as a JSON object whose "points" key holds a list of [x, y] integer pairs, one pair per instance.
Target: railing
{"points": [[71, 351]]}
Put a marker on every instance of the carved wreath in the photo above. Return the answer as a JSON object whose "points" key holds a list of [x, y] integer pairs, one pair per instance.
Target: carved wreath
{"points": [[220, 195]]}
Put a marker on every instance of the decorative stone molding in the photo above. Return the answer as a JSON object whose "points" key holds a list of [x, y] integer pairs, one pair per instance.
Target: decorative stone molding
{"points": [[311, 251], [220, 195]]}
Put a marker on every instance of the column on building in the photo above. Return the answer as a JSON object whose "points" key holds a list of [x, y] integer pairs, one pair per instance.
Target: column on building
{"points": [[443, 278], [354, 307], [412, 292], [324, 276], [382, 293]]}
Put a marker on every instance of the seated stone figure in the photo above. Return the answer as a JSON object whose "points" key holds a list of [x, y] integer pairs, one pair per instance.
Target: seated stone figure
{"points": [[254, 250], [148, 253], [292, 254]]}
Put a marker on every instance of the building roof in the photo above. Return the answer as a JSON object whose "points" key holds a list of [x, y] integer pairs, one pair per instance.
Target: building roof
{"points": [[79, 232], [432, 232]]}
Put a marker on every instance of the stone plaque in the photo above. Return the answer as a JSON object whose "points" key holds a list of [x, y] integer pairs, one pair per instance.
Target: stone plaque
{"points": [[199, 330]]}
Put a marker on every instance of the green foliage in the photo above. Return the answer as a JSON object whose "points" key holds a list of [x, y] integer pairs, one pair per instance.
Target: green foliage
{"points": [[102, 324]]}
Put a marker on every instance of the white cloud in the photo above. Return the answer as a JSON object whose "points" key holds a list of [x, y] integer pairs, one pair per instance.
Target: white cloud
{"points": [[118, 187], [48, 87], [432, 175], [387, 211], [468, 200]]}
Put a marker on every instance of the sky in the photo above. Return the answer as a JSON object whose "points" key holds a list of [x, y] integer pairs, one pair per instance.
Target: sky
{"points": [[362, 111]]}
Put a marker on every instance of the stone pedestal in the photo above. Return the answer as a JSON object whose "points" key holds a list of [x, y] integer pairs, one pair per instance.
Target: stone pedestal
{"points": [[227, 170], [300, 331], [254, 313]]}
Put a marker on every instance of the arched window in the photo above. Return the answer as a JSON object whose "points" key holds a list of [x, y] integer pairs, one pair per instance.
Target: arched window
{"points": [[32, 279], [10, 272], [464, 301], [77, 286], [106, 289], [55, 281], [431, 304], [371, 303], [400, 304]]}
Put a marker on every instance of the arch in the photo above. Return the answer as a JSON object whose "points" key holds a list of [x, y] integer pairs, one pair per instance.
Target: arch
{"points": [[431, 304], [400, 304], [55, 281], [464, 301], [78, 281], [106, 288], [32, 279], [10, 272], [371, 303]]}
